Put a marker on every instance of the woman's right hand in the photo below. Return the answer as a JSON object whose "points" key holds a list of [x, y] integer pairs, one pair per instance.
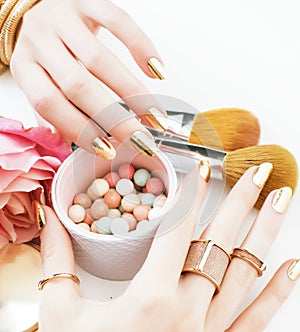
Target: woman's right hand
{"points": [[61, 66]]}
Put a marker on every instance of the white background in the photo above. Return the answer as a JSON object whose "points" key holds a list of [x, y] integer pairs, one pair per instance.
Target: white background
{"points": [[218, 53]]}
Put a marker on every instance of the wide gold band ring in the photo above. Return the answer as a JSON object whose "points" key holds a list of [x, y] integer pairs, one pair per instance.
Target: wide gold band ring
{"points": [[43, 282], [207, 259], [249, 258]]}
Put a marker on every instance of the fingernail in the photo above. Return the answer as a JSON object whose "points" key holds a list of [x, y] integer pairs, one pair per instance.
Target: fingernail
{"points": [[143, 143], [294, 270], [103, 148], [262, 174], [157, 119], [157, 68], [39, 215], [204, 170], [282, 199]]}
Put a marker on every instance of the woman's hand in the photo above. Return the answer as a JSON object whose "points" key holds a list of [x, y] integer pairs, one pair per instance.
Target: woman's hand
{"points": [[160, 297], [61, 66]]}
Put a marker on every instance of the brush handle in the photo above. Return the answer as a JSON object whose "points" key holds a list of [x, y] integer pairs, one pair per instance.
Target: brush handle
{"points": [[176, 146]]}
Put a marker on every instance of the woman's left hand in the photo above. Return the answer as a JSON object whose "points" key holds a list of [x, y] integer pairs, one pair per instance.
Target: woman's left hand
{"points": [[160, 297]]}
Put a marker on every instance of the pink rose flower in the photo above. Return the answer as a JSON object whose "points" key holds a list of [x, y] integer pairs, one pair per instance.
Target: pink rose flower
{"points": [[29, 159]]}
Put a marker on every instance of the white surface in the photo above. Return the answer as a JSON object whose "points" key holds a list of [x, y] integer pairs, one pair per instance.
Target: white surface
{"points": [[219, 54]]}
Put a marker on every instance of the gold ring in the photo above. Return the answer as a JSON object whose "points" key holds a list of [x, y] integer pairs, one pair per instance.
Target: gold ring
{"points": [[43, 282], [207, 259], [249, 258]]}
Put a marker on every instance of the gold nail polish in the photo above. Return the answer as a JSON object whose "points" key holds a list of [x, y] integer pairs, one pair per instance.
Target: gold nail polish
{"points": [[204, 170], [156, 68], [143, 143], [262, 174], [281, 199], [39, 215], [294, 270], [103, 148], [157, 119]]}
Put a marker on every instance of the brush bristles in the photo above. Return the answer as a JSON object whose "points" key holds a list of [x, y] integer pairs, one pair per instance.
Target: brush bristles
{"points": [[285, 170], [225, 129]]}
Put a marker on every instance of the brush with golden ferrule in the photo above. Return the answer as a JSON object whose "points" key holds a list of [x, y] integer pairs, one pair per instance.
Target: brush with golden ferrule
{"points": [[230, 166], [225, 129]]}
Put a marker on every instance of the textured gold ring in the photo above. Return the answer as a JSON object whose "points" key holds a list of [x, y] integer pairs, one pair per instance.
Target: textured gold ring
{"points": [[207, 259], [249, 258], [71, 276]]}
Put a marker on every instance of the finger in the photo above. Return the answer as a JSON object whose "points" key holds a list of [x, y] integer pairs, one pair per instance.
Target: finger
{"points": [[119, 23], [165, 260], [227, 223], [86, 92], [57, 255], [48, 101], [97, 58], [240, 275], [224, 228], [258, 315]]}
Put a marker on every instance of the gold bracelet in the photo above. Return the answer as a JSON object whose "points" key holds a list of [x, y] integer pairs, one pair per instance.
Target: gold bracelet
{"points": [[6, 8], [8, 31], [2, 67]]}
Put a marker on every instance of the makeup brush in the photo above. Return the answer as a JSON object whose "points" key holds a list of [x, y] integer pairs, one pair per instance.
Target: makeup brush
{"points": [[231, 165], [226, 129]]}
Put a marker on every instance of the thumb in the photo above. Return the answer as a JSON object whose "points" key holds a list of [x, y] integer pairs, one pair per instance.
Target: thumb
{"points": [[56, 251]]}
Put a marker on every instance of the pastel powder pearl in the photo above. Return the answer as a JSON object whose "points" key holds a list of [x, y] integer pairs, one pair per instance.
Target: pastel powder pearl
{"points": [[140, 212], [99, 187], [84, 226], [99, 209], [129, 201], [155, 186], [119, 226], [160, 201], [76, 213], [147, 199], [132, 222], [141, 176], [126, 171], [112, 178], [124, 187], [88, 219], [114, 213], [112, 199], [102, 225], [83, 199]]}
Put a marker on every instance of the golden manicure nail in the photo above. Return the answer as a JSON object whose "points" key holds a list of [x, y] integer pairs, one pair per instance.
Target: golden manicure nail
{"points": [[281, 199], [39, 215], [103, 148], [294, 270], [204, 170], [262, 174], [156, 68], [157, 119], [143, 143]]}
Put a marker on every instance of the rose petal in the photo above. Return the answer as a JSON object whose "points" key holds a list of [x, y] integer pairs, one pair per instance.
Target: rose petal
{"points": [[10, 143], [3, 241], [50, 144], [14, 206], [38, 175], [7, 226], [4, 198], [6, 177], [20, 161], [26, 234], [25, 199], [22, 184]]}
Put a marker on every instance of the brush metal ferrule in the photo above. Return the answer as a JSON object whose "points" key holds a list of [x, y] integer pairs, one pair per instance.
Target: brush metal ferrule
{"points": [[180, 147]]}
